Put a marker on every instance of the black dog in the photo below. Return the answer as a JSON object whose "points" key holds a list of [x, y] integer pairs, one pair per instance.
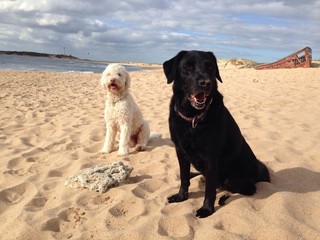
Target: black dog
{"points": [[205, 134]]}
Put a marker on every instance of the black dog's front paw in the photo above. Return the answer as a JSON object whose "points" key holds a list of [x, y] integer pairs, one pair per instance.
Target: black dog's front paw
{"points": [[204, 212], [178, 197]]}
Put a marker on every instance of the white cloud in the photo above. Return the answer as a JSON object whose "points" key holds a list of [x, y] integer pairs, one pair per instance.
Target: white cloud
{"points": [[49, 19]]}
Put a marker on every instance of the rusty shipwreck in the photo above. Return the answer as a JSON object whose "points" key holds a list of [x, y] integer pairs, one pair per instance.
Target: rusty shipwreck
{"points": [[299, 59]]}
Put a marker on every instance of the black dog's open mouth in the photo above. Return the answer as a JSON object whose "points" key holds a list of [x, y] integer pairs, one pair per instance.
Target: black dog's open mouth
{"points": [[198, 101]]}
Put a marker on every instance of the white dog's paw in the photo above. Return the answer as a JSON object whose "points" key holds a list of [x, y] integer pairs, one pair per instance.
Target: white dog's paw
{"points": [[141, 148], [123, 152], [106, 150]]}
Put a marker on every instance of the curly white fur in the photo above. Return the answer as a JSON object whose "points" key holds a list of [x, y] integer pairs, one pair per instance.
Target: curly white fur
{"points": [[121, 113]]}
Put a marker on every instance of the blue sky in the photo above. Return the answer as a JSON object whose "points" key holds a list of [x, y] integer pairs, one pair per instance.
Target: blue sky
{"points": [[154, 31]]}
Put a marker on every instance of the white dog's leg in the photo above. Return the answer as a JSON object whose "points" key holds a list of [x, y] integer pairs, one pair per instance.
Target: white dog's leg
{"points": [[143, 137], [124, 140], [110, 138]]}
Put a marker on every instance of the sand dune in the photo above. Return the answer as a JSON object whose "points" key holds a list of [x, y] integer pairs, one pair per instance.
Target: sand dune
{"points": [[51, 126]]}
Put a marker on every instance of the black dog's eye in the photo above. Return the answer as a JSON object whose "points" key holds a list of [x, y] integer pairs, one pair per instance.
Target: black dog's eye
{"points": [[208, 66], [187, 67]]}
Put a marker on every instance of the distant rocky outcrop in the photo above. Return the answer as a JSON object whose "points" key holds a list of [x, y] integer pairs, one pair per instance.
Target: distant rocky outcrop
{"points": [[36, 54], [237, 63]]}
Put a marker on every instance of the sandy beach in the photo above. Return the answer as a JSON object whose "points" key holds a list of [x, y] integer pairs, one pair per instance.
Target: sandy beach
{"points": [[52, 126]]}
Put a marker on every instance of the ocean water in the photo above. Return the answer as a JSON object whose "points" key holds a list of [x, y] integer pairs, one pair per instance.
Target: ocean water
{"points": [[43, 64]]}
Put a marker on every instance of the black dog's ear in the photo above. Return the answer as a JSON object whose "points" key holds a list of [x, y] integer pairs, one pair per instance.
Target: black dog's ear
{"points": [[170, 67], [214, 60]]}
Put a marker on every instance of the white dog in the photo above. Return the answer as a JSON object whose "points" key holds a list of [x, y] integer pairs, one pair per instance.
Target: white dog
{"points": [[121, 113]]}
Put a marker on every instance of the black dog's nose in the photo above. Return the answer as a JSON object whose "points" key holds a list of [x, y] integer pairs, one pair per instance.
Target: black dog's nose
{"points": [[204, 83]]}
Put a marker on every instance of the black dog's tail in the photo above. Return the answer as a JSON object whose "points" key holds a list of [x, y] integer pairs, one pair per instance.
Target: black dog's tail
{"points": [[263, 173]]}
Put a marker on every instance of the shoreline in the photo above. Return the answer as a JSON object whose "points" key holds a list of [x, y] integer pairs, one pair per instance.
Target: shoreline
{"points": [[48, 64], [234, 63]]}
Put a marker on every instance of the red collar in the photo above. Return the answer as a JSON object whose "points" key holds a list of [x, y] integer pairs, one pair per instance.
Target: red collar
{"points": [[197, 118]]}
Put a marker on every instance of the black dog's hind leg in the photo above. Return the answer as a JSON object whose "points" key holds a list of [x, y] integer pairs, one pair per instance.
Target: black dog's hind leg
{"points": [[223, 199], [263, 173], [182, 195], [244, 186]]}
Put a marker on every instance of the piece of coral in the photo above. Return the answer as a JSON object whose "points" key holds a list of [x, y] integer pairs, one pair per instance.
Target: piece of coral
{"points": [[100, 177]]}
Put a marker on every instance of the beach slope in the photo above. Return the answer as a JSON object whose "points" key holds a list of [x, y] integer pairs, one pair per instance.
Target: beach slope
{"points": [[51, 126]]}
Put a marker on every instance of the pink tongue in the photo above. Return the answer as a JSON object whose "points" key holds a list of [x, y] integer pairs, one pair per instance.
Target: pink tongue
{"points": [[113, 86], [200, 97]]}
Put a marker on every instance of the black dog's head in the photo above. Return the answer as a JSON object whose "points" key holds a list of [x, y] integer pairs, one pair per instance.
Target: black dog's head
{"points": [[194, 73]]}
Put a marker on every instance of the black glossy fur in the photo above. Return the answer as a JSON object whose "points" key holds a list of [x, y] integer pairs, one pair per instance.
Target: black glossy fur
{"points": [[215, 147]]}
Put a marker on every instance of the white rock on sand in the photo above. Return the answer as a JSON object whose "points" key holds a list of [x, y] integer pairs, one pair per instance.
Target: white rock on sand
{"points": [[100, 177]]}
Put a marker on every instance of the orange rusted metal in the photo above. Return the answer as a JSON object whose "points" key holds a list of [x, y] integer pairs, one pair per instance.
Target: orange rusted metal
{"points": [[299, 59]]}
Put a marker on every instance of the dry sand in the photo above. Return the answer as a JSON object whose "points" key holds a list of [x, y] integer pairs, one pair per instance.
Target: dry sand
{"points": [[51, 126]]}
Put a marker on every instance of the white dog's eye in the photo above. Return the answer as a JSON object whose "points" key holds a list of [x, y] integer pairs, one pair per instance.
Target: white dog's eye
{"points": [[119, 74]]}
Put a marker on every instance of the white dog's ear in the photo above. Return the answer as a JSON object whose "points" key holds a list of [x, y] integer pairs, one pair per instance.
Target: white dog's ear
{"points": [[128, 80], [103, 79]]}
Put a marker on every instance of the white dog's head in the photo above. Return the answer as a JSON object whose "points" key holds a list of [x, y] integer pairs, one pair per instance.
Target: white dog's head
{"points": [[115, 79]]}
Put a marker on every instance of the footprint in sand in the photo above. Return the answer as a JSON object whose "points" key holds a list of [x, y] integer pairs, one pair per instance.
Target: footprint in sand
{"points": [[131, 210], [15, 162], [13, 195], [21, 166], [219, 225], [70, 146], [167, 226], [49, 186], [90, 203], [128, 209], [146, 189], [60, 171], [36, 204], [3, 138], [152, 168], [55, 173], [32, 152], [93, 148], [97, 135], [26, 141], [67, 220], [52, 225]]}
